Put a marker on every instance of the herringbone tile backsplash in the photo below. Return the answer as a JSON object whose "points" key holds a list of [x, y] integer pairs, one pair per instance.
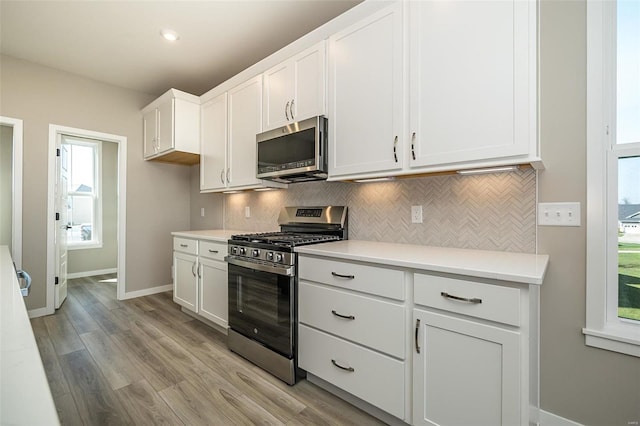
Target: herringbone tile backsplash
{"points": [[486, 212]]}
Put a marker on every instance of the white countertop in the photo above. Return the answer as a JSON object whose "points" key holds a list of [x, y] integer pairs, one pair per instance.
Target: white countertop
{"points": [[25, 397], [220, 235], [516, 267]]}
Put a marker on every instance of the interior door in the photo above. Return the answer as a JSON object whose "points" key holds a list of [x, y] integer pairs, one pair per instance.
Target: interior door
{"points": [[62, 224]]}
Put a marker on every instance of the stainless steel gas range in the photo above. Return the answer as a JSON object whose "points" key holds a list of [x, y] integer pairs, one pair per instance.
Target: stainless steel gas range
{"points": [[263, 283]]}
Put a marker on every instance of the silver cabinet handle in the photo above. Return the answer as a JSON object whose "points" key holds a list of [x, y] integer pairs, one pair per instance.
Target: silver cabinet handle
{"points": [[349, 369], [349, 317], [192, 269], [222, 176], [395, 149], [228, 172], [213, 251], [413, 149], [184, 245], [461, 299], [200, 270], [349, 277], [286, 110], [27, 279], [416, 338], [291, 108]]}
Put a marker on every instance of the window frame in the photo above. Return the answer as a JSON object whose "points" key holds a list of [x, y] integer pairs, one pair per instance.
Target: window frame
{"points": [[603, 328], [96, 227]]}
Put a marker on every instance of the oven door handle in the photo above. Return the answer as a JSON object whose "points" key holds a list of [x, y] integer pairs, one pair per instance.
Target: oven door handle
{"points": [[280, 270]]}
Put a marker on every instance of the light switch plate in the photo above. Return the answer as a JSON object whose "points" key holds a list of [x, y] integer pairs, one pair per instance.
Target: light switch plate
{"points": [[559, 214]]}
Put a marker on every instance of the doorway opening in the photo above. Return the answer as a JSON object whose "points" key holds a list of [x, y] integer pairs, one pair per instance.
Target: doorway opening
{"points": [[87, 194], [11, 187]]}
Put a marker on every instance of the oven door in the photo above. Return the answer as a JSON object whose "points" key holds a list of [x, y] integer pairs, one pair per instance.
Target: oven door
{"points": [[261, 307]]}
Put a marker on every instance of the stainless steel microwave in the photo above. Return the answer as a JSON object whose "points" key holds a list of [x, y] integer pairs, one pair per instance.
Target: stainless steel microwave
{"points": [[293, 153]]}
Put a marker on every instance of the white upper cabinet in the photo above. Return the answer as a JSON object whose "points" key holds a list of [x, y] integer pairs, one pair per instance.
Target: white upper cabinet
{"points": [[295, 89], [472, 81], [171, 128], [213, 148], [366, 95]]}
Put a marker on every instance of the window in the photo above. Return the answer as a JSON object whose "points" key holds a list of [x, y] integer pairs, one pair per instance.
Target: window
{"points": [[84, 204], [613, 176]]}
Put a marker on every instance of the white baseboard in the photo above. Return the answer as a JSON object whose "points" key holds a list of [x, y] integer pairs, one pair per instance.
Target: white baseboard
{"points": [[73, 275], [40, 312], [550, 419], [147, 291]]}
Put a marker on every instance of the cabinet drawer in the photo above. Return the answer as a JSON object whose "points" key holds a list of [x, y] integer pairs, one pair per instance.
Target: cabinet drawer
{"points": [[375, 378], [491, 302], [213, 250], [374, 323], [369, 279], [185, 245]]}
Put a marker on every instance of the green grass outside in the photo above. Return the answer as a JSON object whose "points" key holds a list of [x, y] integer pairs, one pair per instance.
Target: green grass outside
{"points": [[629, 282]]}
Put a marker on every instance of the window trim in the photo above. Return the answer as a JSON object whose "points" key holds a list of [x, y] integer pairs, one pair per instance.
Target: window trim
{"points": [[96, 231], [602, 330]]}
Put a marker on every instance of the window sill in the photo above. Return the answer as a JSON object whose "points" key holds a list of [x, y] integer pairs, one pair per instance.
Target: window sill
{"points": [[625, 343]]}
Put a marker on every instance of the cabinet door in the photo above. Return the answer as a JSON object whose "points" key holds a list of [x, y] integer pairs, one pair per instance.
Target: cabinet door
{"points": [[185, 281], [213, 144], [278, 94], [213, 291], [245, 121], [465, 372], [365, 95], [471, 78], [165, 125], [150, 129], [310, 83]]}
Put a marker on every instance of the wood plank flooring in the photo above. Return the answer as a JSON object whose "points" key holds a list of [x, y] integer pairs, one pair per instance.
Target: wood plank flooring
{"points": [[145, 362]]}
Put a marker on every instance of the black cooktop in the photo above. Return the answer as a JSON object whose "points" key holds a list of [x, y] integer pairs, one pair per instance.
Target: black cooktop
{"points": [[287, 239]]}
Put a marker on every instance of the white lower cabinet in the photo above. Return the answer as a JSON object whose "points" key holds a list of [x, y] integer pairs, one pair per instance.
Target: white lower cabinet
{"points": [[200, 278], [465, 373]]}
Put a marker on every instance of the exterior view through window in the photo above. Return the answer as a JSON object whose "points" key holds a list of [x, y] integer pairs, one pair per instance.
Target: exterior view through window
{"points": [[627, 138], [83, 207]]}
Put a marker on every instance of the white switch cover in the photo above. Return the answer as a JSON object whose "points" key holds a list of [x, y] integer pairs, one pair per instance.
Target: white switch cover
{"points": [[247, 212], [202, 211], [559, 214], [416, 214]]}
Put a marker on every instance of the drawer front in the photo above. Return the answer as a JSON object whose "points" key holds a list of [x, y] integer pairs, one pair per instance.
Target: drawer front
{"points": [[185, 245], [374, 323], [375, 378], [213, 250], [369, 279], [491, 302]]}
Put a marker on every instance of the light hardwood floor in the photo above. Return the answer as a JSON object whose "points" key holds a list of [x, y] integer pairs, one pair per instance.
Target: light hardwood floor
{"points": [[144, 362]]}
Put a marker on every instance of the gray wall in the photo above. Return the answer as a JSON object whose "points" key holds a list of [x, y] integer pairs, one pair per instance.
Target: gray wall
{"points": [[105, 257], [588, 385], [213, 205], [6, 190], [157, 194]]}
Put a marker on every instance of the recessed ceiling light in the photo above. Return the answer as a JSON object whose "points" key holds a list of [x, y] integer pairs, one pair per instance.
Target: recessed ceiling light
{"points": [[170, 35]]}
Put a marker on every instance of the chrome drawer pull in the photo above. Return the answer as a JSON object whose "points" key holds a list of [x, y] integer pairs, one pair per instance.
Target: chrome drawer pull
{"points": [[349, 317], [349, 277], [184, 245], [461, 299], [213, 251], [349, 369]]}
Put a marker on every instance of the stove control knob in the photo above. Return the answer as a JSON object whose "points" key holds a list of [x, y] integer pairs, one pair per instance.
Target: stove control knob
{"points": [[255, 253], [243, 251], [278, 257], [270, 256], [234, 250]]}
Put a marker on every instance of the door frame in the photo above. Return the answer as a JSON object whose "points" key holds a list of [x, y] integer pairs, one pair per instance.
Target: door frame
{"points": [[16, 185], [55, 132]]}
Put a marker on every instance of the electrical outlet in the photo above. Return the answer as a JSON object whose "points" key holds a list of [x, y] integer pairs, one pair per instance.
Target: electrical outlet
{"points": [[202, 211], [247, 212], [559, 214], [416, 214]]}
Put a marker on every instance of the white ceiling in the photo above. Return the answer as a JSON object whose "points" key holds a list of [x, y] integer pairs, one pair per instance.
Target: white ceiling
{"points": [[119, 42]]}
